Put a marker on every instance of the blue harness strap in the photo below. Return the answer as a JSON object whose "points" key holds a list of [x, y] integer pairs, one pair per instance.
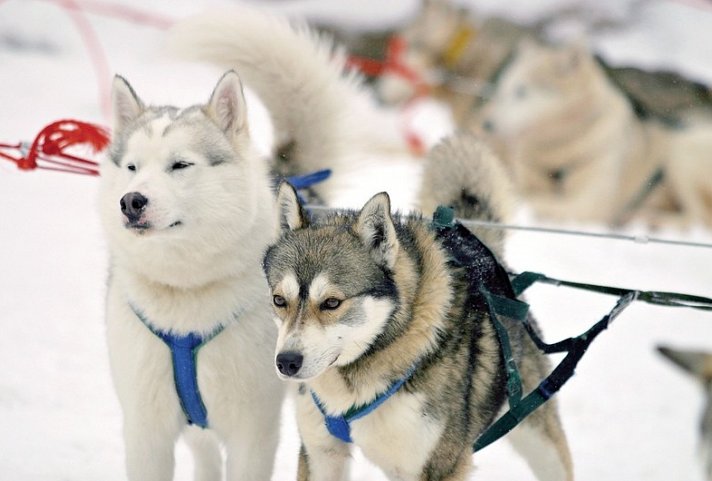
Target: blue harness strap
{"points": [[305, 181], [184, 350], [340, 426]]}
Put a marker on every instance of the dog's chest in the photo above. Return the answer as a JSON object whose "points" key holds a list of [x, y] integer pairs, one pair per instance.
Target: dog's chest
{"points": [[398, 436]]}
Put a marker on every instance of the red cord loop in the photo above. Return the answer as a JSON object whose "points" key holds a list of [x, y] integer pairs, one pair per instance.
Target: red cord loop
{"points": [[51, 148]]}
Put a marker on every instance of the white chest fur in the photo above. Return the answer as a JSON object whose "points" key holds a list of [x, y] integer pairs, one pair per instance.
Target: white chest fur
{"points": [[398, 436]]}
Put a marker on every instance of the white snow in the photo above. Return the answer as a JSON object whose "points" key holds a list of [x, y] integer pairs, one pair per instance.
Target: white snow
{"points": [[628, 414]]}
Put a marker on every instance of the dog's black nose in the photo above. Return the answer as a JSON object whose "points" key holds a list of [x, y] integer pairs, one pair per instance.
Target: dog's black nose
{"points": [[289, 363], [488, 125], [132, 205]]}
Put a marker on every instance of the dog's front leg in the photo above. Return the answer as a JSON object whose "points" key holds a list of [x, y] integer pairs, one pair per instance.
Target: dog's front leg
{"points": [[250, 455], [322, 457], [323, 464], [149, 448]]}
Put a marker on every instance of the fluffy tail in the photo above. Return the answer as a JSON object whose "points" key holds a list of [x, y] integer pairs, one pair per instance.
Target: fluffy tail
{"points": [[463, 173], [300, 76]]}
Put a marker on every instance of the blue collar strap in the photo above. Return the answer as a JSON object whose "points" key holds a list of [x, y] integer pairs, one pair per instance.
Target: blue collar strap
{"points": [[184, 351], [340, 426], [305, 181]]}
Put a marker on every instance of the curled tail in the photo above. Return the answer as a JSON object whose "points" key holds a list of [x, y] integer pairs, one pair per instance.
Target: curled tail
{"points": [[299, 75], [463, 173]]}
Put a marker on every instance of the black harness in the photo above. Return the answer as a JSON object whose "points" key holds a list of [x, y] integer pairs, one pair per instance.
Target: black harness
{"points": [[499, 291]]}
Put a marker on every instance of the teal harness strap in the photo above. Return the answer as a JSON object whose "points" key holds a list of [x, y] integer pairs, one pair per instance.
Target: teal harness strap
{"points": [[500, 294], [522, 281], [184, 350], [575, 347]]}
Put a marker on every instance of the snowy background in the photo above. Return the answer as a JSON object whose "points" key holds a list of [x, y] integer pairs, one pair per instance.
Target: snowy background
{"points": [[628, 414]]}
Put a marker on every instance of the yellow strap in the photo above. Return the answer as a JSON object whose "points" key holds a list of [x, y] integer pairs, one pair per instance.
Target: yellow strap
{"points": [[457, 45]]}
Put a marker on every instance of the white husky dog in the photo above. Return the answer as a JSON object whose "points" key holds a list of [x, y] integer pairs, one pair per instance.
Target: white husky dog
{"points": [[187, 207]]}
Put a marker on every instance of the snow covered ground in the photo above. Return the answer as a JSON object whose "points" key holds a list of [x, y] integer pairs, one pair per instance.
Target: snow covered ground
{"points": [[628, 414]]}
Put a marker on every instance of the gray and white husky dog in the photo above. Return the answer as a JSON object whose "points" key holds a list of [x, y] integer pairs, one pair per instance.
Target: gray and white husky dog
{"points": [[373, 313], [187, 207]]}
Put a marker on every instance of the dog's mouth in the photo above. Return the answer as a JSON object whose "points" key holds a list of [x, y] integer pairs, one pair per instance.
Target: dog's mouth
{"points": [[143, 227], [139, 227]]}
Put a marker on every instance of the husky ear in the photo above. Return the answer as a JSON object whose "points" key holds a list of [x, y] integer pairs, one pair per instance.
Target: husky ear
{"points": [[125, 104], [227, 105], [291, 214], [375, 228], [696, 363]]}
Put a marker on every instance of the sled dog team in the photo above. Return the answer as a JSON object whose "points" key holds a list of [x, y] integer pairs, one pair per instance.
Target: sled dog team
{"points": [[380, 331]]}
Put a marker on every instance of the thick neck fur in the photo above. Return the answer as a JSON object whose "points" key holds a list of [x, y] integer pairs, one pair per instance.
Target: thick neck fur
{"points": [[201, 307], [424, 290]]}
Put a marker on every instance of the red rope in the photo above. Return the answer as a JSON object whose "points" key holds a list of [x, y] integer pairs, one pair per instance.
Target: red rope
{"points": [[48, 150], [77, 11], [123, 12], [392, 64]]}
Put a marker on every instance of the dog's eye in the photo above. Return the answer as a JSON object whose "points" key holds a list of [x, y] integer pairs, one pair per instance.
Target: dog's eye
{"points": [[131, 167], [279, 301], [330, 304], [180, 165]]}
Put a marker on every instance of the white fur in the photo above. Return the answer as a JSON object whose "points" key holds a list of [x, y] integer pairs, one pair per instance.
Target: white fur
{"points": [[539, 452], [333, 119], [376, 312], [194, 276], [290, 287], [318, 287], [384, 433]]}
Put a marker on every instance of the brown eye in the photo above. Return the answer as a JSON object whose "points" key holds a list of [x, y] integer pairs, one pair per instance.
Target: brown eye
{"points": [[279, 301], [330, 304]]}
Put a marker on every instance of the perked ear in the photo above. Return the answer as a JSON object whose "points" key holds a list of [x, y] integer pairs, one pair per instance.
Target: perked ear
{"points": [[125, 104], [291, 214], [375, 227], [227, 105], [697, 363]]}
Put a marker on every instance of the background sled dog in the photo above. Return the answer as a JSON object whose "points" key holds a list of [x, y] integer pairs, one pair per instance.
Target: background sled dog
{"points": [[457, 51], [368, 300], [577, 150], [699, 364], [185, 203]]}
